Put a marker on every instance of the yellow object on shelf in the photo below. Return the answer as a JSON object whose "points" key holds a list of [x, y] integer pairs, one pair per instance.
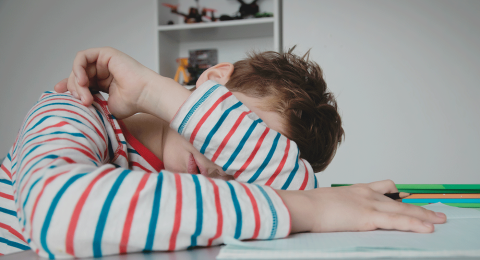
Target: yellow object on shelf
{"points": [[182, 65]]}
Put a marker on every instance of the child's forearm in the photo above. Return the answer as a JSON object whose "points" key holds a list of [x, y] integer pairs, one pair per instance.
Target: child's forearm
{"points": [[132, 87], [163, 97], [360, 207]]}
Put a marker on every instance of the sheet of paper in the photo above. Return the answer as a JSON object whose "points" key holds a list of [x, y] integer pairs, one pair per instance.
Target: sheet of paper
{"points": [[460, 236]]}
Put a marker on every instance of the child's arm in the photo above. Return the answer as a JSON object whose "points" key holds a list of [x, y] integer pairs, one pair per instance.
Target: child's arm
{"points": [[360, 207], [71, 202], [132, 87], [230, 135]]}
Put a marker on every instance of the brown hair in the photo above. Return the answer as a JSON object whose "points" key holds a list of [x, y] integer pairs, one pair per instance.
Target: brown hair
{"points": [[299, 94]]}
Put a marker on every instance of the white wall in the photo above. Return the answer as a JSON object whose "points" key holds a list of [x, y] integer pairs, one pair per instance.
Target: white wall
{"points": [[39, 40], [406, 74]]}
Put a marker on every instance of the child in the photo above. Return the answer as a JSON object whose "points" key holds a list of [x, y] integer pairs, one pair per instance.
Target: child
{"points": [[70, 202]]}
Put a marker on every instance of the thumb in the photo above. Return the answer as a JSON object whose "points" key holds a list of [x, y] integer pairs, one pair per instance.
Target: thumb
{"points": [[61, 86]]}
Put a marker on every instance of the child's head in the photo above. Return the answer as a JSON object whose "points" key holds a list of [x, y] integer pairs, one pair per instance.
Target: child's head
{"points": [[292, 89]]}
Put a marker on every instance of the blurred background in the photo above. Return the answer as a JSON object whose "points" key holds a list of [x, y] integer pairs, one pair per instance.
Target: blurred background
{"points": [[405, 73]]}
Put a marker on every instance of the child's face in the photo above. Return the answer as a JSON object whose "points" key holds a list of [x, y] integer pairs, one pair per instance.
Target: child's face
{"points": [[180, 156]]}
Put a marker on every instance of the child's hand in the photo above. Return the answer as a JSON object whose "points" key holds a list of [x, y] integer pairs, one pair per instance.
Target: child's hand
{"points": [[111, 71], [359, 207]]}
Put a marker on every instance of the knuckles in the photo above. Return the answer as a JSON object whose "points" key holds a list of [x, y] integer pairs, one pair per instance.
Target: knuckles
{"points": [[363, 191]]}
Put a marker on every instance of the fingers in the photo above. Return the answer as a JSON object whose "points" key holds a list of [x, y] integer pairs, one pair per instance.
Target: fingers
{"points": [[102, 67], [79, 92], [61, 86], [386, 186], [411, 210], [400, 222], [89, 66]]}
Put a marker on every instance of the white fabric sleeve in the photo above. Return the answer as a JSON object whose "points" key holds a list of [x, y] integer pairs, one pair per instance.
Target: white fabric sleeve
{"points": [[232, 136], [71, 201]]}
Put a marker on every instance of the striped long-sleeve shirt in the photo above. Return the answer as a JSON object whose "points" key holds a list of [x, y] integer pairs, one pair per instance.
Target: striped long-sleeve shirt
{"points": [[229, 134], [76, 183]]}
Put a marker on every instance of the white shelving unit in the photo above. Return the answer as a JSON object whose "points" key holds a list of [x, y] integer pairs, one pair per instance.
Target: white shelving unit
{"points": [[232, 39]]}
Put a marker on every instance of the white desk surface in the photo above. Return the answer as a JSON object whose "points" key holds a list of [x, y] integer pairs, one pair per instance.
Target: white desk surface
{"points": [[195, 254]]}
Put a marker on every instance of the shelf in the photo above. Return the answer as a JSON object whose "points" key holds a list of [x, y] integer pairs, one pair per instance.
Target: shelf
{"points": [[232, 39], [222, 30]]}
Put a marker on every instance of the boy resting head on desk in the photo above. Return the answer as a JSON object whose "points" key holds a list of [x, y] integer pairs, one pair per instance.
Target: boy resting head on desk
{"points": [[76, 195], [287, 92]]}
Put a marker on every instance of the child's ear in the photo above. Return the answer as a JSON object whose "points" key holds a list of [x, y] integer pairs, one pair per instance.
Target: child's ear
{"points": [[220, 73]]}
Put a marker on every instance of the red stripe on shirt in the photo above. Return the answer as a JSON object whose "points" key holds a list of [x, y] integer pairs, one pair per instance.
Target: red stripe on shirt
{"points": [[62, 138], [280, 166], [48, 181], [178, 213], [48, 127], [67, 159], [206, 115], [85, 134], [252, 155], [131, 212], [150, 157], [256, 213], [122, 153], [13, 231], [305, 180], [6, 196], [89, 155], [60, 125], [70, 111], [132, 164], [6, 171], [78, 209], [218, 206], [229, 135]]}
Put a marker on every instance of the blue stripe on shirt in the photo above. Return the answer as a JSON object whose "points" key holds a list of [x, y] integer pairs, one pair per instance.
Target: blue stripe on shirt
{"points": [[26, 155], [195, 107], [102, 219], [274, 212], [316, 183], [241, 144], [50, 156], [14, 244], [50, 104], [267, 159], [9, 212], [292, 173], [56, 116], [55, 133], [26, 200], [199, 202], [155, 212], [238, 212], [9, 182], [217, 126], [132, 151], [51, 210]]}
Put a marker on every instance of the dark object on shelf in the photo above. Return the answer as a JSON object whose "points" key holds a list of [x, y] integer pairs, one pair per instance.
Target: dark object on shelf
{"points": [[245, 11], [199, 61], [194, 15], [248, 10]]}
